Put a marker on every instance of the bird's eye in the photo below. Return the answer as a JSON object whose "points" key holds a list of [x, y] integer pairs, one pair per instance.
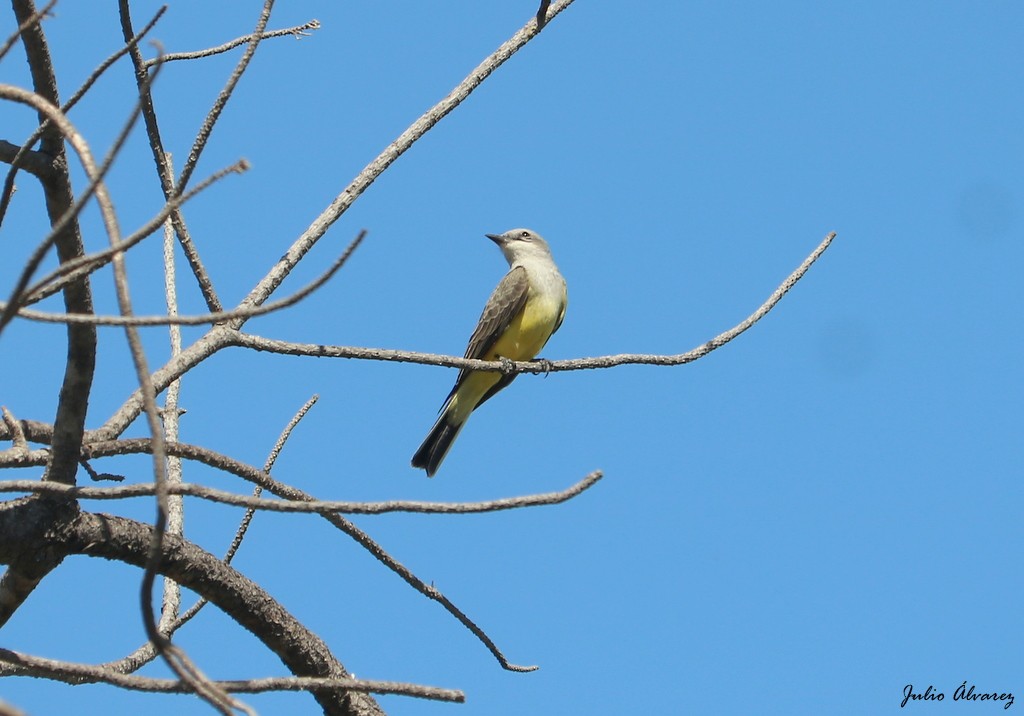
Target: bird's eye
{"points": [[524, 235]]}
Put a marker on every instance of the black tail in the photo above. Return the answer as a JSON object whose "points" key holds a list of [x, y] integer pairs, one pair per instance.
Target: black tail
{"points": [[436, 445]]}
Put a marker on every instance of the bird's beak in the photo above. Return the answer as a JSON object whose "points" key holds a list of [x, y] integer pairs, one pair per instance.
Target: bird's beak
{"points": [[496, 238]]}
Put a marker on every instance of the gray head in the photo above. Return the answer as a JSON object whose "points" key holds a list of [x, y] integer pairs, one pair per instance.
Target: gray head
{"points": [[518, 244]]}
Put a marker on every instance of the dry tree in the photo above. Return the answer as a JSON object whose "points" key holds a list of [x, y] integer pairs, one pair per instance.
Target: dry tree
{"points": [[39, 529]]}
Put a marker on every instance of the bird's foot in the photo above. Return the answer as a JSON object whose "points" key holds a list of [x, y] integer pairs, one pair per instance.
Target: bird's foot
{"points": [[545, 365]]}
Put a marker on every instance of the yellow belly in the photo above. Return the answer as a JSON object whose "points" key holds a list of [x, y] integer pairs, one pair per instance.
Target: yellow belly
{"points": [[524, 339], [528, 332]]}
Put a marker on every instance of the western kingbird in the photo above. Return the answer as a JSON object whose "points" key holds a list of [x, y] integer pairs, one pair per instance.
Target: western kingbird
{"points": [[521, 315]]}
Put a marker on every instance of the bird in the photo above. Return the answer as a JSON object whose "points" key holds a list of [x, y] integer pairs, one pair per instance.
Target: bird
{"points": [[523, 312]]}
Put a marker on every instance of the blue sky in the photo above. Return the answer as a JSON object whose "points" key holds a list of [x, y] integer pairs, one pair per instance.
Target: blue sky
{"points": [[803, 522]]}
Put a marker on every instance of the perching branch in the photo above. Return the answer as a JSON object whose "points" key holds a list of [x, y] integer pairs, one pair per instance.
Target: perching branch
{"points": [[247, 340]]}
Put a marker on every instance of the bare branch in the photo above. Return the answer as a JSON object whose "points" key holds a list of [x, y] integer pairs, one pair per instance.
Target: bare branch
{"points": [[29, 160], [84, 265], [60, 122], [243, 527], [146, 653], [225, 95], [18, 664], [298, 32], [259, 343], [27, 524], [163, 170], [69, 216], [171, 416], [175, 657], [222, 462], [69, 424], [222, 336], [15, 430], [25, 24], [35, 163], [177, 320], [345, 525], [314, 506]]}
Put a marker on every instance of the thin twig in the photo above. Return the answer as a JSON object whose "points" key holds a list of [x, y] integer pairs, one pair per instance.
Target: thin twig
{"points": [[322, 507], [222, 99], [15, 429], [298, 32], [25, 150], [164, 173], [69, 216], [247, 518], [34, 18], [177, 320], [99, 476], [243, 527], [84, 265], [427, 590], [171, 601], [18, 664]]}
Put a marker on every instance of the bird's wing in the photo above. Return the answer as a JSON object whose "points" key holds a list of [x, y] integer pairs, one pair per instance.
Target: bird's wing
{"points": [[507, 300], [561, 315]]}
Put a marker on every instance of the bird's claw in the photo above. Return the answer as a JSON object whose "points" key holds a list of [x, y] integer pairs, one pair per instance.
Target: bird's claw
{"points": [[507, 366], [545, 365]]}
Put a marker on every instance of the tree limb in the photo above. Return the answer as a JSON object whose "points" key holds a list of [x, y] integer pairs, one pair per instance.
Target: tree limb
{"points": [[38, 526]]}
